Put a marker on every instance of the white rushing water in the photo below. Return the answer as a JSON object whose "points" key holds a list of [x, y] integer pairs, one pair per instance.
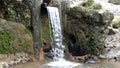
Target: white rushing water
{"points": [[58, 49]]}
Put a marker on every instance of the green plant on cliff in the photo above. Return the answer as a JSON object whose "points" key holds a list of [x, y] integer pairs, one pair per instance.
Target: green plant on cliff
{"points": [[87, 3], [96, 41], [116, 25], [6, 39]]}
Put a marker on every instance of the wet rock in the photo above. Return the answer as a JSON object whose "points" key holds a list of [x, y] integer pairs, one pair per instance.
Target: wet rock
{"points": [[90, 61], [111, 32], [81, 58], [117, 2], [107, 17], [117, 59], [68, 56], [87, 3], [83, 30], [116, 25], [46, 1], [48, 55], [96, 6], [113, 59]]}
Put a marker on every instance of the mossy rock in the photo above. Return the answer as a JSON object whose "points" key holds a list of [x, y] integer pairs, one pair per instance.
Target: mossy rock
{"points": [[87, 3], [14, 37], [117, 2], [116, 25], [111, 32], [83, 32], [96, 6], [6, 38]]}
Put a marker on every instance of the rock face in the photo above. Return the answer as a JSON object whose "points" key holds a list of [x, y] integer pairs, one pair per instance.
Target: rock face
{"points": [[117, 2], [13, 59], [83, 30], [116, 25], [14, 37]]}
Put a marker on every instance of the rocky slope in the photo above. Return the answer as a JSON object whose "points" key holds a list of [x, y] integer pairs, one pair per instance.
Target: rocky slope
{"points": [[84, 28], [14, 38]]}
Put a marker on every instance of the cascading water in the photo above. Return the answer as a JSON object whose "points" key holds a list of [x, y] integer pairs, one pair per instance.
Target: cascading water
{"points": [[58, 49]]}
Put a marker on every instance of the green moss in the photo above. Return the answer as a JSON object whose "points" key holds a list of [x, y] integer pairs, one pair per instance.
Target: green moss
{"points": [[116, 25], [6, 39], [95, 44], [87, 3], [96, 6], [29, 32], [45, 32]]}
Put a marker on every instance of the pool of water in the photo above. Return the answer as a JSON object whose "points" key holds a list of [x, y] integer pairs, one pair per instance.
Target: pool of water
{"points": [[103, 64]]}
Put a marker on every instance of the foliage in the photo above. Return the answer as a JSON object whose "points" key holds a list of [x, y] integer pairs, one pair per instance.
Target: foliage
{"points": [[87, 3], [14, 10], [96, 6], [83, 32], [28, 31], [116, 25], [96, 41], [6, 39]]}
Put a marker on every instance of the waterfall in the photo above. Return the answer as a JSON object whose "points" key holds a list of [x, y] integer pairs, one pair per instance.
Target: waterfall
{"points": [[58, 49]]}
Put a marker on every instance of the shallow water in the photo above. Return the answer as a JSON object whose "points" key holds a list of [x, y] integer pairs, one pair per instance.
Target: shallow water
{"points": [[104, 64]]}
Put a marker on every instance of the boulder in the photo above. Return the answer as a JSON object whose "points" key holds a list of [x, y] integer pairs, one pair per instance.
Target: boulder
{"points": [[83, 30], [87, 3], [111, 32], [117, 2], [14, 37], [96, 6], [107, 17], [116, 25]]}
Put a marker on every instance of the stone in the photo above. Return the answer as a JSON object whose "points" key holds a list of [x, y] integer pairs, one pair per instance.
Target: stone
{"points": [[116, 25], [117, 2], [111, 32], [46, 1], [83, 30], [107, 18], [49, 55], [90, 61], [96, 6], [21, 41], [87, 3], [68, 56]]}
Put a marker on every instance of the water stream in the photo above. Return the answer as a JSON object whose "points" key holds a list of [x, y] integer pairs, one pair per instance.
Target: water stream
{"points": [[58, 49]]}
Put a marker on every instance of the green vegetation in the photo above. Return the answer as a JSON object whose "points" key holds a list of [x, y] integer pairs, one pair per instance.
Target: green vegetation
{"points": [[96, 41], [6, 39], [116, 25], [84, 31], [96, 6], [28, 31], [87, 3]]}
